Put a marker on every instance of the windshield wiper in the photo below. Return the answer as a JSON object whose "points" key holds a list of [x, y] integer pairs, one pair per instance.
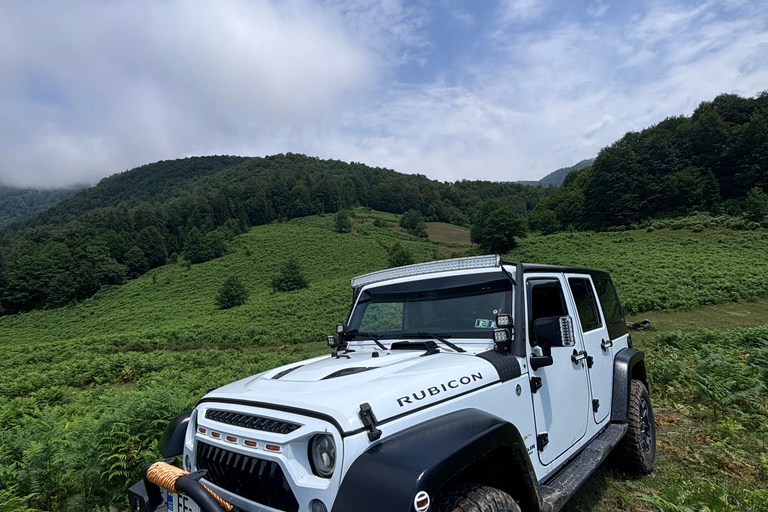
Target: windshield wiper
{"points": [[375, 337], [433, 336]]}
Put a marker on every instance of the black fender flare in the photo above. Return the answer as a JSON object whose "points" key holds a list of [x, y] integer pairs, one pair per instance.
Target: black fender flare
{"points": [[628, 364], [171, 443], [387, 476]]}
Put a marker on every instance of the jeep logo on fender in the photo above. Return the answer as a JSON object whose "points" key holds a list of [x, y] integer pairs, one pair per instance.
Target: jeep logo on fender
{"points": [[436, 390]]}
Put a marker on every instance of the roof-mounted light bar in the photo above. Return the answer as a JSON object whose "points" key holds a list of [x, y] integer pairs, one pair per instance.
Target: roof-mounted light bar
{"points": [[472, 262]]}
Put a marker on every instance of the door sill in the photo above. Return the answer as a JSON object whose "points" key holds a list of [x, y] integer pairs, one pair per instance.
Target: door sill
{"points": [[564, 484]]}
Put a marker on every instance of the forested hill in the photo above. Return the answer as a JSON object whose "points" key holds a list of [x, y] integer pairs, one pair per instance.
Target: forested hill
{"points": [[19, 203], [149, 183], [135, 221], [556, 178], [714, 161]]}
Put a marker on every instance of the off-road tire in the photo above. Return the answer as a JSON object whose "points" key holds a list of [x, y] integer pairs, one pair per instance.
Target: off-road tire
{"points": [[475, 498], [636, 453]]}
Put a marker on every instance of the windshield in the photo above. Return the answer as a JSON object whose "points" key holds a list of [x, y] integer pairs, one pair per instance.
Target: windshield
{"points": [[459, 306]]}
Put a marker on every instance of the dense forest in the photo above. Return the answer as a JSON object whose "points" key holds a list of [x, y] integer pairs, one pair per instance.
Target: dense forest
{"points": [[138, 220], [714, 161], [19, 203]]}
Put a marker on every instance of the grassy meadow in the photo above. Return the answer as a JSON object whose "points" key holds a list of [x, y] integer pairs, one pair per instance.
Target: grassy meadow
{"points": [[85, 390]]}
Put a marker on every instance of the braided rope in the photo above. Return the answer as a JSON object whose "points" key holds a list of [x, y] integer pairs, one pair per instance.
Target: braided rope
{"points": [[165, 476]]}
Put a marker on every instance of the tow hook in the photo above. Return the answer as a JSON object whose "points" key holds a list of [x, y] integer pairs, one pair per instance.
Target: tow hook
{"points": [[162, 475]]}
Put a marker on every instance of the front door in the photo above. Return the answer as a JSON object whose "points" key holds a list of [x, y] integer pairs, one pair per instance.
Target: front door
{"points": [[561, 402], [596, 343]]}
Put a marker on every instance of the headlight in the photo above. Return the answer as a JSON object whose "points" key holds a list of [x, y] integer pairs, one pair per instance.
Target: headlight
{"points": [[322, 455]]}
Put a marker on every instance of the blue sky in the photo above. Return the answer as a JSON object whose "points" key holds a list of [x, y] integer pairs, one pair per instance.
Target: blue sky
{"points": [[458, 89]]}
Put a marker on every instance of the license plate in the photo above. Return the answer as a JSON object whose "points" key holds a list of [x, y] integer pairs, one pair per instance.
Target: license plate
{"points": [[181, 503]]}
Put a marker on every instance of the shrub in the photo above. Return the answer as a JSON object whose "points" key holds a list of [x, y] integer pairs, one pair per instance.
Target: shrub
{"points": [[342, 223], [232, 293], [290, 277], [399, 256]]}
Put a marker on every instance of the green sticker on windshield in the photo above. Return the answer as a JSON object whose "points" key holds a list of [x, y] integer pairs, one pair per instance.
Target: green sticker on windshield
{"points": [[482, 323]]}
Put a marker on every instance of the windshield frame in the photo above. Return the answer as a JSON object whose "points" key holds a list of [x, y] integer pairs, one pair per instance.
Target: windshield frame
{"points": [[445, 281]]}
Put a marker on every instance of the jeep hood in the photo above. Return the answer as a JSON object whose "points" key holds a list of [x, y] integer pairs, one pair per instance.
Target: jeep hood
{"points": [[394, 383]]}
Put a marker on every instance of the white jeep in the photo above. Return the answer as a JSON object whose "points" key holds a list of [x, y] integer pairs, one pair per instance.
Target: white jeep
{"points": [[472, 384]]}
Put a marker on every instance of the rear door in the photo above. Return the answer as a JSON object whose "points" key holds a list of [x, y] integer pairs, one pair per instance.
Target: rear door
{"points": [[561, 396], [596, 343]]}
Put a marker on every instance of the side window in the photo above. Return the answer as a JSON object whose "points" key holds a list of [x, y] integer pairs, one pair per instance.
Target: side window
{"points": [[586, 305], [545, 298], [614, 317]]}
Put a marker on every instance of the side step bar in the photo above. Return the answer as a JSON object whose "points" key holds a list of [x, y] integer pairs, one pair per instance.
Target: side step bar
{"points": [[556, 492]]}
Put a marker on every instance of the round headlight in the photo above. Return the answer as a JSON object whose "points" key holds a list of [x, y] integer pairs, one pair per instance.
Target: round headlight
{"points": [[322, 455]]}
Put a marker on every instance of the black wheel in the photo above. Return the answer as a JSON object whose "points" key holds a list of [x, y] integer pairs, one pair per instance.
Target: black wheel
{"points": [[475, 498], [636, 453]]}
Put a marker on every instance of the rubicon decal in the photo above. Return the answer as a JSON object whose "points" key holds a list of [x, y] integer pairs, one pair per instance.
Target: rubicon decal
{"points": [[438, 389]]}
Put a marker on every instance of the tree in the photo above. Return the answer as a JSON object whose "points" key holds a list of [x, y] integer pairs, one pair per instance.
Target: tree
{"points": [[756, 206], [342, 223], [232, 293], [136, 262], [199, 248], [413, 221], [496, 227], [151, 242], [543, 220], [290, 277], [399, 256]]}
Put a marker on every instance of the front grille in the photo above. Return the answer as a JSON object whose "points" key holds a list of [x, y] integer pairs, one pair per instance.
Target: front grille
{"points": [[254, 479], [251, 421]]}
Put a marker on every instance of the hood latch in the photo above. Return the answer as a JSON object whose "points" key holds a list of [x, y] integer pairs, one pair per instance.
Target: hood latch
{"points": [[369, 421]]}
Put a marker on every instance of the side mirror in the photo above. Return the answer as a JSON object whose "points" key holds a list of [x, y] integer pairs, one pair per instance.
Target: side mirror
{"points": [[554, 331]]}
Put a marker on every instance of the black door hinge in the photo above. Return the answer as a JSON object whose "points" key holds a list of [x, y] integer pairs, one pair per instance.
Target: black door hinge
{"points": [[535, 384], [590, 361], [542, 440], [369, 421], [595, 404]]}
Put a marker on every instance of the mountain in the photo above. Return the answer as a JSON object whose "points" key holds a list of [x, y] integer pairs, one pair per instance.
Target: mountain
{"points": [[20, 203], [556, 178], [192, 208]]}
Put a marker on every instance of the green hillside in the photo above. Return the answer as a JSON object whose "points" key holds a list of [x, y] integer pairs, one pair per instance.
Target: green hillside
{"points": [[86, 389]]}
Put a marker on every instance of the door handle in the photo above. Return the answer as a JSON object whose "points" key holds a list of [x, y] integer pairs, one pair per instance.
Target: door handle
{"points": [[605, 344], [578, 356]]}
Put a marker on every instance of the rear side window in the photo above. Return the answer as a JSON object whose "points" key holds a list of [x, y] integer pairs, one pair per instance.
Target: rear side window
{"points": [[586, 305], [609, 301]]}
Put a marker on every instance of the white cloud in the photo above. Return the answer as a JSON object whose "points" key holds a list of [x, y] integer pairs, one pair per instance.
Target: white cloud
{"points": [[558, 95], [522, 11], [597, 9], [153, 80], [88, 88]]}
